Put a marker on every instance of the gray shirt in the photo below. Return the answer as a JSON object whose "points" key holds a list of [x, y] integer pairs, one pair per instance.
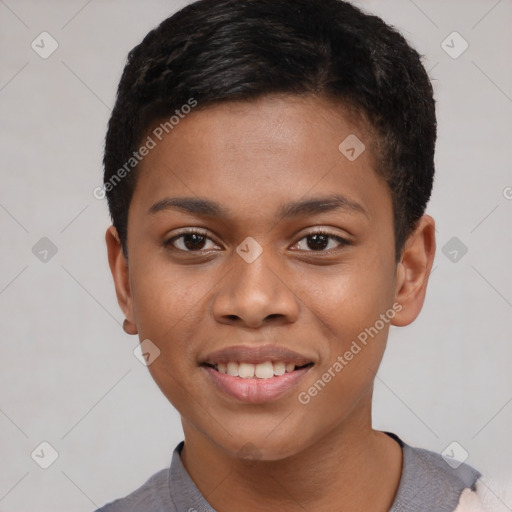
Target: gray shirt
{"points": [[427, 484]]}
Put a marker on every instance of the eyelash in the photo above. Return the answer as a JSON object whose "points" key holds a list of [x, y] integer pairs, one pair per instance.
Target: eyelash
{"points": [[169, 243]]}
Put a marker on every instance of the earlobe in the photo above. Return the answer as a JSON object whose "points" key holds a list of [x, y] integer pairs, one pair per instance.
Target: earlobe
{"points": [[119, 269], [413, 271], [129, 327]]}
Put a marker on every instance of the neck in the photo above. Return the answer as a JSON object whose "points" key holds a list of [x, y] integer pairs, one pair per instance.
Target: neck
{"points": [[349, 469]]}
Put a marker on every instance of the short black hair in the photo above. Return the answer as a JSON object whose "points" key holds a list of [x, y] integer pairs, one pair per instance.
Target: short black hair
{"points": [[214, 51]]}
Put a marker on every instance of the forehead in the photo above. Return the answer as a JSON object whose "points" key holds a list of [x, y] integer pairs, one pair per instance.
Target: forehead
{"points": [[261, 153]]}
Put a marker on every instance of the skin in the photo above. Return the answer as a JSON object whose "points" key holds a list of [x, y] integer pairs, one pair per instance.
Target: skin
{"points": [[252, 158]]}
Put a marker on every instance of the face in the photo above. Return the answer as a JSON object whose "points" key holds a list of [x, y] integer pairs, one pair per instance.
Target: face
{"points": [[258, 256]]}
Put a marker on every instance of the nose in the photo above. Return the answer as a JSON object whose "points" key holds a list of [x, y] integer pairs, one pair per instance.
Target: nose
{"points": [[254, 294]]}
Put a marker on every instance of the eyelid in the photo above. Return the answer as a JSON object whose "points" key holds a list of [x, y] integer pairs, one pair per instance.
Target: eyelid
{"points": [[200, 231], [313, 230]]}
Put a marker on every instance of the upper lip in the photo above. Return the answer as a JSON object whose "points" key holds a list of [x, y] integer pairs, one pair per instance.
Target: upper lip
{"points": [[256, 355]]}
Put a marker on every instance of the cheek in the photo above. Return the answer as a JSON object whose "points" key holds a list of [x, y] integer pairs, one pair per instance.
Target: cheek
{"points": [[348, 298], [163, 295], [348, 306], [169, 311]]}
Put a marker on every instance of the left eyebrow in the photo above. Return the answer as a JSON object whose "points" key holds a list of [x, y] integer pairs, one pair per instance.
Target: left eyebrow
{"points": [[320, 205], [206, 207]]}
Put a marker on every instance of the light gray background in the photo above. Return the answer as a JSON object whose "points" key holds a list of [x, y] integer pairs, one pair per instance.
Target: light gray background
{"points": [[68, 374]]}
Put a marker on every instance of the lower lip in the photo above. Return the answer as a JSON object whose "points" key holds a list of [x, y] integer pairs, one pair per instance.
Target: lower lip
{"points": [[256, 390]]}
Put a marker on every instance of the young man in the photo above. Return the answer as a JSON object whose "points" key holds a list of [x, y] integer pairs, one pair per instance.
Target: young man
{"points": [[267, 167]]}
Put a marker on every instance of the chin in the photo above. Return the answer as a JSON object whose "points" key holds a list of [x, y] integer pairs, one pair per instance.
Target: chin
{"points": [[262, 446]]}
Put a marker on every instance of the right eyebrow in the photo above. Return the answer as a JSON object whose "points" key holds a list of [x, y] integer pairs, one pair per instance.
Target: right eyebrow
{"points": [[191, 205]]}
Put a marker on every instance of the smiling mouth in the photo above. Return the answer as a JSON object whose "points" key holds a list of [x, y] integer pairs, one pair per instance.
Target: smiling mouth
{"points": [[257, 382], [256, 374], [263, 370]]}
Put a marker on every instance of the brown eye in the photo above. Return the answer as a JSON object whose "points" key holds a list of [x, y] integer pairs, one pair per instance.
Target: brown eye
{"points": [[317, 242], [321, 242], [191, 241]]}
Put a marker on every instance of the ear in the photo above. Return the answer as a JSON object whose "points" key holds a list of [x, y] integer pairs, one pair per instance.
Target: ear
{"points": [[414, 270], [119, 268]]}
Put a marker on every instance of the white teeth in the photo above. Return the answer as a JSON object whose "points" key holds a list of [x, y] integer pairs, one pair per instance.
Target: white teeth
{"points": [[232, 369], [279, 368], [246, 370], [265, 370]]}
